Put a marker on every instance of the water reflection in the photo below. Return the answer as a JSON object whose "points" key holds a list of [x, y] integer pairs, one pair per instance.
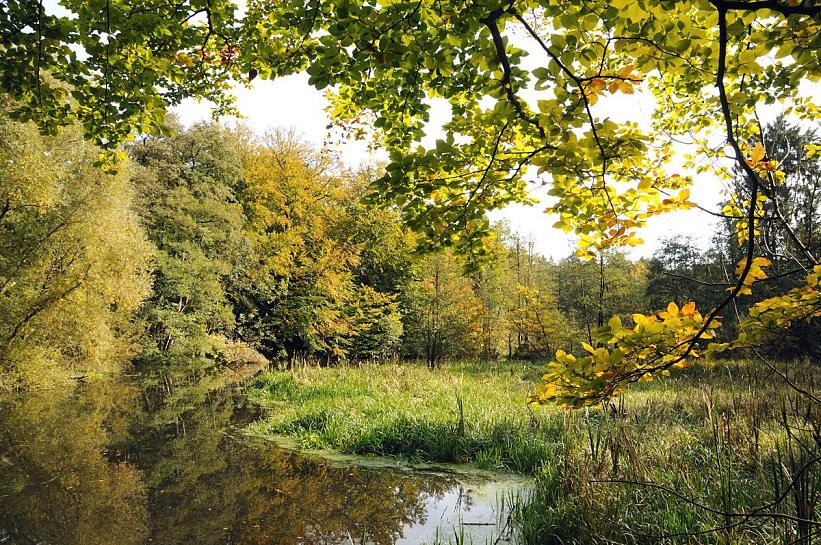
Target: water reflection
{"points": [[57, 485], [94, 472]]}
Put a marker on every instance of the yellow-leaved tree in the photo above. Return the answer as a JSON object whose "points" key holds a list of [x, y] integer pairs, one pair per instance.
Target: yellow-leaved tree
{"points": [[74, 261]]}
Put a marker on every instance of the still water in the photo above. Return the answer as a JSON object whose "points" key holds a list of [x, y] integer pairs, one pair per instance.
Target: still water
{"points": [[94, 470]]}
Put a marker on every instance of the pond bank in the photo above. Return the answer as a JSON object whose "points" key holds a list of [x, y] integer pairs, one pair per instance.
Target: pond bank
{"points": [[459, 414]]}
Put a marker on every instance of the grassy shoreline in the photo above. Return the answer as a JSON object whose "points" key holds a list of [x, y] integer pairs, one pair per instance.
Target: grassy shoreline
{"points": [[711, 434], [409, 411]]}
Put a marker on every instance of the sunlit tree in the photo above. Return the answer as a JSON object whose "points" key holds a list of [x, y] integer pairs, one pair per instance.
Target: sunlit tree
{"points": [[74, 261]]}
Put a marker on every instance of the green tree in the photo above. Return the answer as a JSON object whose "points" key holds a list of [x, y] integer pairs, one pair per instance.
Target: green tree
{"points": [[74, 260], [588, 290], [114, 66], [442, 312], [709, 64], [534, 320], [542, 327], [376, 324], [386, 249], [787, 231], [187, 195], [791, 215], [385, 257], [293, 294], [673, 264], [491, 285]]}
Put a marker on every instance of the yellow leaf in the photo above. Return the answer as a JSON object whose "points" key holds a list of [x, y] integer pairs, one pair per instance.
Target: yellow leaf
{"points": [[626, 87], [757, 154], [740, 267], [768, 166], [626, 72]]}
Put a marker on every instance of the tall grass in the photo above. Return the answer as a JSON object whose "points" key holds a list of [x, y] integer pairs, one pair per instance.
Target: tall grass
{"points": [[673, 461], [460, 414]]}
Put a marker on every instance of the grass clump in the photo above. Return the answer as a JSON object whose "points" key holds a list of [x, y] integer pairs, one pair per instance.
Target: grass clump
{"points": [[458, 414]]}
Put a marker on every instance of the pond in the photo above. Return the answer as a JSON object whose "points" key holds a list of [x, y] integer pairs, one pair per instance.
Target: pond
{"points": [[95, 470]]}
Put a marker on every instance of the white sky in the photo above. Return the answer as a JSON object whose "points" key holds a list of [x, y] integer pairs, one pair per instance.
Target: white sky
{"points": [[290, 102]]}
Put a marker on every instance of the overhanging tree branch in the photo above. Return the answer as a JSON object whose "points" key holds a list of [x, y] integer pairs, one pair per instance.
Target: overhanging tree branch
{"points": [[802, 8]]}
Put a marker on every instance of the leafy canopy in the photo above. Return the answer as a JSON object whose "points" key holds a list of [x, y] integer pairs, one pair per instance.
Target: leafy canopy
{"points": [[525, 81]]}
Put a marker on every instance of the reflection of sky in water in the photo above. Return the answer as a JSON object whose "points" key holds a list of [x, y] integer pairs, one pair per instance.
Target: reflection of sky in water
{"points": [[99, 475], [477, 505]]}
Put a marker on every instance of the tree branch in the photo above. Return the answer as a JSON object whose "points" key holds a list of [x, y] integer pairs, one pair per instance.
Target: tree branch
{"points": [[811, 9], [501, 56]]}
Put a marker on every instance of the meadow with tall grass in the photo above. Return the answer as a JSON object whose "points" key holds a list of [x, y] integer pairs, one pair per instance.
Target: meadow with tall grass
{"points": [[721, 453]]}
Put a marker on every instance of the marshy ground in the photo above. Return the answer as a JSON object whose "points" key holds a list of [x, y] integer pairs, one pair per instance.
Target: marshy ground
{"points": [[687, 459]]}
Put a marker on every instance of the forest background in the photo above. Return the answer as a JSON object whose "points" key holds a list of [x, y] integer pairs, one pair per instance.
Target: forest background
{"points": [[214, 247]]}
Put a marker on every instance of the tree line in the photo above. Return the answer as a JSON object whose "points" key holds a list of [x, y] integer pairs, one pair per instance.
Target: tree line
{"points": [[212, 249]]}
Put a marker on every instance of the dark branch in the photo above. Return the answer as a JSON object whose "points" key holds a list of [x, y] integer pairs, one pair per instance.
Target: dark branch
{"points": [[783, 9], [501, 56]]}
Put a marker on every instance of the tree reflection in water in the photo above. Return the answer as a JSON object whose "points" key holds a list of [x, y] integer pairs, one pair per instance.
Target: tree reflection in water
{"points": [[91, 470], [58, 483]]}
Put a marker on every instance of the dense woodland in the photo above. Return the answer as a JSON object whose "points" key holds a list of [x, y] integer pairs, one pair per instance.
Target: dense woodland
{"points": [[213, 248], [178, 304]]}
